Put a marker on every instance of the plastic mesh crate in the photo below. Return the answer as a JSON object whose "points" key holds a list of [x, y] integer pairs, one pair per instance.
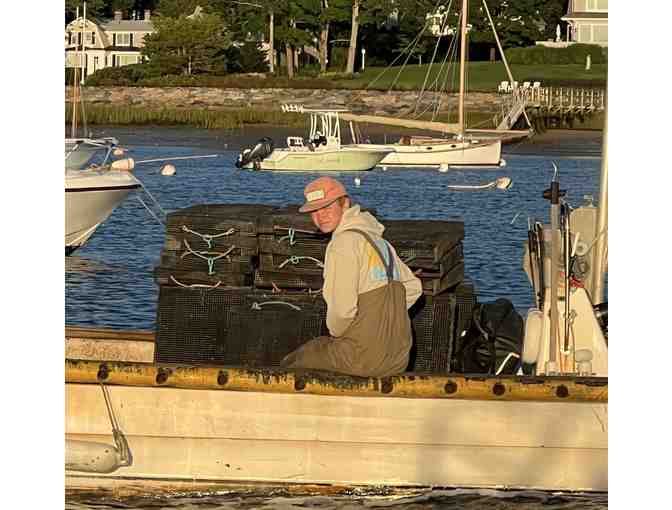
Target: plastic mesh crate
{"points": [[234, 326], [423, 239], [433, 324], [286, 280]]}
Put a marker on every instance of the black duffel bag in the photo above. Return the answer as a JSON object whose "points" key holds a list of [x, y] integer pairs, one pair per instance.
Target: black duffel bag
{"points": [[493, 342]]}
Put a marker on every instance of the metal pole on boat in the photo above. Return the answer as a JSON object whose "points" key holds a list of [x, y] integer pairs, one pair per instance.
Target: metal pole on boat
{"points": [[75, 85], [600, 248], [463, 56], [83, 53]]}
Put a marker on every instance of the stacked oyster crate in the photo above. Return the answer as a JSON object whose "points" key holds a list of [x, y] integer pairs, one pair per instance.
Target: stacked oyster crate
{"points": [[239, 285]]}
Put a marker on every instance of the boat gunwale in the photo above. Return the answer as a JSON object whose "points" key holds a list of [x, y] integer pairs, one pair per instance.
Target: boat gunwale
{"points": [[278, 380]]}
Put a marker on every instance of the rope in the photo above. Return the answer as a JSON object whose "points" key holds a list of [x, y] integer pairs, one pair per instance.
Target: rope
{"points": [[294, 259], [257, 306], [210, 260], [195, 285], [208, 237], [119, 440], [150, 211], [289, 236]]}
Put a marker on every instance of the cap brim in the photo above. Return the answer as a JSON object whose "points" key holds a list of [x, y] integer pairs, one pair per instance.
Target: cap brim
{"points": [[315, 205]]}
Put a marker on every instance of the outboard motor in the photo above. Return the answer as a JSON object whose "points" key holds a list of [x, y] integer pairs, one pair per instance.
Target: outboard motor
{"points": [[261, 150]]}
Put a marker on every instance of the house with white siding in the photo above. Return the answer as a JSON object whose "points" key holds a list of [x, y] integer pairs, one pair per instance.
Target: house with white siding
{"points": [[112, 43], [587, 21]]}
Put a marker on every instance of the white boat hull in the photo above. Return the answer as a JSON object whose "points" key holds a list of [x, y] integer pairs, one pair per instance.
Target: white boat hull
{"points": [[464, 153], [90, 198], [343, 159], [211, 435], [80, 151]]}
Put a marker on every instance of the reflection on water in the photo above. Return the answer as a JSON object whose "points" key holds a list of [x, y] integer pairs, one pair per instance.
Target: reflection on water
{"points": [[277, 499]]}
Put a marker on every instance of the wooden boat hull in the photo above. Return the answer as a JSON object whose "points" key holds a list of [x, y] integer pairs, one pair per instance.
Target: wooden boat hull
{"points": [[235, 425]]}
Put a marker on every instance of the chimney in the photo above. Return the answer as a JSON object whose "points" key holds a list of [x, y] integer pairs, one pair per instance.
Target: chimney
{"points": [[117, 15], [148, 14]]}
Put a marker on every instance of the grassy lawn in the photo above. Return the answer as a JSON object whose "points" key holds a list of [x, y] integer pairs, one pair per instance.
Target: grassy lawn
{"points": [[481, 76]]}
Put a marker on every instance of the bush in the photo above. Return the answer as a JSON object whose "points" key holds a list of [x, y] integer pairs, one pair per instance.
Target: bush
{"points": [[124, 75], [574, 54]]}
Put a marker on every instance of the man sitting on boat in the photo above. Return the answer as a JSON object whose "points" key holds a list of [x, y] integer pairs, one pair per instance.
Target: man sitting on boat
{"points": [[367, 288]]}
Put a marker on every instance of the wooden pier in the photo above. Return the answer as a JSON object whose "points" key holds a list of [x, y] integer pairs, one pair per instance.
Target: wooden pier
{"points": [[550, 105]]}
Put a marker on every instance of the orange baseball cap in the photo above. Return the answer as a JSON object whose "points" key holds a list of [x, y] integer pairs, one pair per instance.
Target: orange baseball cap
{"points": [[321, 192]]}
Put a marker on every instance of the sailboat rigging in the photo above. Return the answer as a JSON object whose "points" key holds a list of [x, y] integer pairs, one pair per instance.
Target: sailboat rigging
{"points": [[462, 149]]}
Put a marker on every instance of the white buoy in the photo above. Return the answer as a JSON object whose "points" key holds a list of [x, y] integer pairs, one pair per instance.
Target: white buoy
{"points": [[168, 169], [358, 181], [126, 164], [119, 151], [384, 168], [443, 168], [502, 163]]}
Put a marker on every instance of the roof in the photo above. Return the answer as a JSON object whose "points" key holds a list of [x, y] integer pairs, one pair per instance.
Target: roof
{"points": [[585, 15], [127, 25]]}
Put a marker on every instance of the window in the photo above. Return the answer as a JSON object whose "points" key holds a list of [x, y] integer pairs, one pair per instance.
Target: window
{"points": [[124, 60], [584, 34], [600, 33], [122, 39], [90, 38]]}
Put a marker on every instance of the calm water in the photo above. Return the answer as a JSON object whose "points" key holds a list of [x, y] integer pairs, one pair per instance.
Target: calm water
{"points": [[109, 282]]}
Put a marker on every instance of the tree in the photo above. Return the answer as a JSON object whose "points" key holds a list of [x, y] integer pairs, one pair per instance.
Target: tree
{"points": [[188, 44], [94, 9]]}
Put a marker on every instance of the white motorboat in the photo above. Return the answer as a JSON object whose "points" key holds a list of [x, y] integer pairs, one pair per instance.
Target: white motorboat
{"points": [[90, 197], [322, 151], [79, 152]]}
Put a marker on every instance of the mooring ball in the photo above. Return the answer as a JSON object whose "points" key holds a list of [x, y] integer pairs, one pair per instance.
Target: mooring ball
{"points": [[168, 169], [358, 181], [443, 168]]}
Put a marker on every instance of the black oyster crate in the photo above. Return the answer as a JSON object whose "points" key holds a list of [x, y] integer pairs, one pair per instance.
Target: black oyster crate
{"points": [[424, 243], [433, 324], [436, 283], [234, 326], [290, 263], [289, 222], [169, 276], [301, 246], [287, 280], [215, 227], [466, 300]]}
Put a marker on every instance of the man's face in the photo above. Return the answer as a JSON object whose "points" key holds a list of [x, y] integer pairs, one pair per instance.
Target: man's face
{"points": [[328, 218]]}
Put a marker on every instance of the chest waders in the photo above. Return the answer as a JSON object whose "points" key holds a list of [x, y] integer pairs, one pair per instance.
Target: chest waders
{"points": [[377, 342]]}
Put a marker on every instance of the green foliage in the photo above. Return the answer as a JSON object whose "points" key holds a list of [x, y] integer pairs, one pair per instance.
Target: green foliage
{"points": [[247, 58], [122, 76], [177, 8], [574, 54], [188, 45]]}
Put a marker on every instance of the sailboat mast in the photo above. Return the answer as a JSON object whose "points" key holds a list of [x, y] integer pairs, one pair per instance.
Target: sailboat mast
{"points": [[75, 85], [463, 57]]}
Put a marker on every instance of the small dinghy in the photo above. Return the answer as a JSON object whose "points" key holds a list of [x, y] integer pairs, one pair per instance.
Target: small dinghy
{"points": [[499, 183]]}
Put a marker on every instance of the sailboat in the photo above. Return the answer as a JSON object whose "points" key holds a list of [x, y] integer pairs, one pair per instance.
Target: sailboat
{"points": [[462, 149]]}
